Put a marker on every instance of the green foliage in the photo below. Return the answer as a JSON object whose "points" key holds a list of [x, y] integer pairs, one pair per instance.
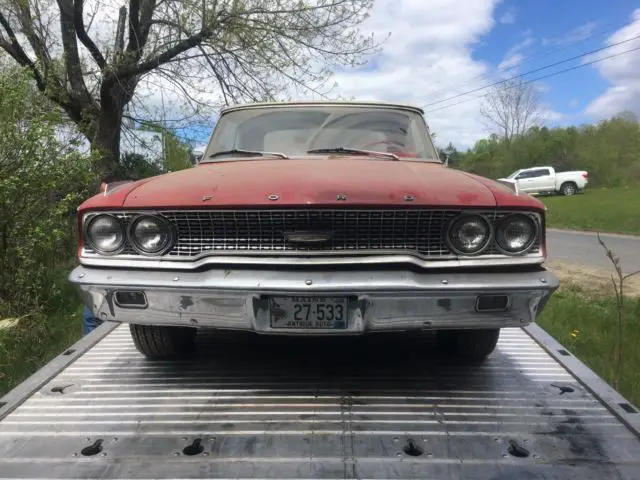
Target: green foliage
{"points": [[586, 325], [177, 155], [43, 178], [598, 209], [609, 151], [136, 167]]}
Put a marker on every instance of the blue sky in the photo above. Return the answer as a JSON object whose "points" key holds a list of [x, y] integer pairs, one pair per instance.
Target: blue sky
{"points": [[558, 30], [443, 48]]}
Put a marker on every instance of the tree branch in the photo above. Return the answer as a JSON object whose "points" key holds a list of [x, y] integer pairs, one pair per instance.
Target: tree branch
{"points": [[37, 43], [629, 275], [134, 26], [71, 56], [140, 13], [78, 22], [16, 51], [147, 66]]}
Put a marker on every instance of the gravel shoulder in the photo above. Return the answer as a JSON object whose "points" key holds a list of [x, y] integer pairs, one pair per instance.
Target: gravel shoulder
{"points": [[591, 279]]}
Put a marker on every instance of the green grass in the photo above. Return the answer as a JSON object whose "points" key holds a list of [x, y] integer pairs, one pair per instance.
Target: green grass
{"points": [[603, 209], [36, 339], [593, 322]]}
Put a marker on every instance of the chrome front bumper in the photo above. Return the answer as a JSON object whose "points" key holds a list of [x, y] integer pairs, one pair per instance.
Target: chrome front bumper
{"points": [[378, 300]]}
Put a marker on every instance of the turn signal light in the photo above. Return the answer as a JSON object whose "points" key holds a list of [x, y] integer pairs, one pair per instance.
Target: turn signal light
{"points": [[130, 299], [492, 303]]}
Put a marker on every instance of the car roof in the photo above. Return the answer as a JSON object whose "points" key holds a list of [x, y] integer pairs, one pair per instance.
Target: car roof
{"points": [[345, 103]]}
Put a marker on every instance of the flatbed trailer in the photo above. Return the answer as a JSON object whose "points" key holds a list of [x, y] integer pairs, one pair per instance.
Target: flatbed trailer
{"points": [[247, 406]]}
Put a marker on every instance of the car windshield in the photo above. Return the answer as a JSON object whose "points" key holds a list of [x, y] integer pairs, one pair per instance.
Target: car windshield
{"points": [[514, 174], [299, 130]]}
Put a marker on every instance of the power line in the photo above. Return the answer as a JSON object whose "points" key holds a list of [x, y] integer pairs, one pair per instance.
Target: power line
{"points": [[575, 67], [545, 67], [527, 59]]}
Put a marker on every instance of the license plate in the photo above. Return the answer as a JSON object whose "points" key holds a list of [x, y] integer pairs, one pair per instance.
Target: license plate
{"points": [[308, 313]]}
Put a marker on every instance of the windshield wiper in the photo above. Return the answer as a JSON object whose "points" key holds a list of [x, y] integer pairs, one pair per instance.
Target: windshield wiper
{"points": [[248, 152], [354, 151]]}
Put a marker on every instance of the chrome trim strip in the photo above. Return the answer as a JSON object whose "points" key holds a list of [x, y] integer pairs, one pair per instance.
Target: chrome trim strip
{"points": [[320, 103], [166, 264]]}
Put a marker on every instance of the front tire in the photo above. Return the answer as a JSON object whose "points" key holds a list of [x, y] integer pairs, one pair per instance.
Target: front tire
{"points": [[469, 346], [162, 343], [568, 189]]}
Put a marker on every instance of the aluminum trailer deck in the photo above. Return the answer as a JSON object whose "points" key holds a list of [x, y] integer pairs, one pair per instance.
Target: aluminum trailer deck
{"points": [[370, 407]]}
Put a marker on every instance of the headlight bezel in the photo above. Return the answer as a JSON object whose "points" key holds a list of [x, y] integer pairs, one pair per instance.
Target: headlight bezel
{"points": [[90, 240], [459, 218], [170, 230], [500, 225]]}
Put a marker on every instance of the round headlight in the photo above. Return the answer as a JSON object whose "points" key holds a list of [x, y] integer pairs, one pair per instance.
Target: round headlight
{"points": [[150, 235], [469, 234], [105, 234], [516, 233]]}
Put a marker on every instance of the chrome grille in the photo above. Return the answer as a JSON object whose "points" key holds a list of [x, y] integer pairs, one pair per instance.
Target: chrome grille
{"points": [[263, 232], [351, 231]]}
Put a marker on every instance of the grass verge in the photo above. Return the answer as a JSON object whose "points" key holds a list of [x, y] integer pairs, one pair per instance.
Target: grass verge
{"points": [[585, 322], [603, 209], [28, 342]]}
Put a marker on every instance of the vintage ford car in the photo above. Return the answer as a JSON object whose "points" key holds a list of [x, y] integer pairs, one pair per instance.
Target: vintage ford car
{"points": [[320, 218]]}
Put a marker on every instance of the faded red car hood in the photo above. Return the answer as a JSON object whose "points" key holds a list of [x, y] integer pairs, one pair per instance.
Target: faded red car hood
{"points": [[311, 182], [317, 181]]}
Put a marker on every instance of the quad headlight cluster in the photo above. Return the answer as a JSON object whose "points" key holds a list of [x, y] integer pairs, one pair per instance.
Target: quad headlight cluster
{"points": [[147, 234], [471, 234]]}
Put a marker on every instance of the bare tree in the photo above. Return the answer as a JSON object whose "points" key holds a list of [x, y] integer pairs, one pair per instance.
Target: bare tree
{"points": [[99, 61], [511, 108]]}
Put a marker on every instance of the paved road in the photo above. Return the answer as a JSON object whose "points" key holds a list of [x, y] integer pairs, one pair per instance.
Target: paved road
{"points": [[583, 248]]}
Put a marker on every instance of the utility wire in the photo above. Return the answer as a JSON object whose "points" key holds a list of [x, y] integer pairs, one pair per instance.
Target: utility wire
{"points": [[528, 59], [545, 67], [575, 67]]}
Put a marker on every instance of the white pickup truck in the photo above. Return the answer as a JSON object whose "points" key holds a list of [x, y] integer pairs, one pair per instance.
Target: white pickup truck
{"points": [[539, 180]]}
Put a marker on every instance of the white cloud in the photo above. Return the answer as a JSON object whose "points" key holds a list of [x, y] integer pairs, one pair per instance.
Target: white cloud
{"points": [[514, 56], [427, 59], [522, 45], [548, 115], [623, 72], [510, 62], [572, 36], [509, 16]]}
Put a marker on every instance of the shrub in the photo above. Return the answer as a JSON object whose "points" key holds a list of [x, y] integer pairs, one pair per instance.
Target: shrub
{"points": [[43, 178]]}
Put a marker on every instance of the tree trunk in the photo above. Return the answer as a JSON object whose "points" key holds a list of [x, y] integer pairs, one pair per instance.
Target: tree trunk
{"points": [[106, 143]]}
